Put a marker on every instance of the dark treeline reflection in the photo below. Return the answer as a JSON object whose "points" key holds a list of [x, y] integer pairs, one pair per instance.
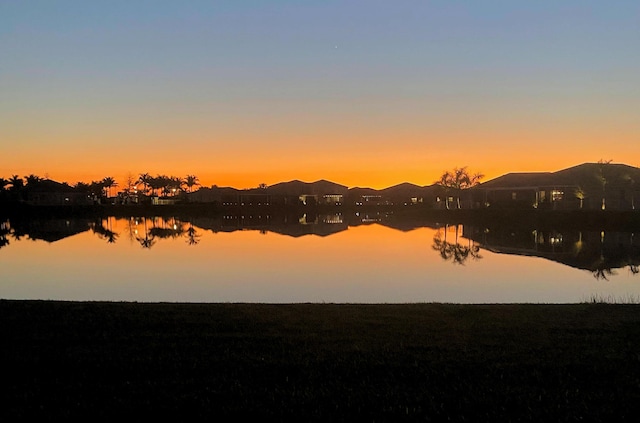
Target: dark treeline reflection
{"points": [[600, 252]]}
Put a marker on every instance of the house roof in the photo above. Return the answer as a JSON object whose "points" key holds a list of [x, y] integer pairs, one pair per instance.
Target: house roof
{"points": [[586, 175], [47, 185]]}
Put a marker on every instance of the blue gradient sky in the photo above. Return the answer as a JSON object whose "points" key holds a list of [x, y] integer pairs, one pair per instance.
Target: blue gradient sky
{"points": [[359, 92]]}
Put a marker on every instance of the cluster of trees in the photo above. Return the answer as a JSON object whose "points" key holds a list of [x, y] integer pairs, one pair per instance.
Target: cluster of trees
{"points": [[163, 184], [151, 185], [457, 180]]}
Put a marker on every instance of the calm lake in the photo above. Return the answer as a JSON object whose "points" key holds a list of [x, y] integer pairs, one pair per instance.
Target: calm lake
{"points": [[321, 258]]}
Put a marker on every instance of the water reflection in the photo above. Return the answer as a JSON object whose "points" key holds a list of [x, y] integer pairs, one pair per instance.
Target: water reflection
{"points": [[454, 251], [598, 252], [603, 253]]}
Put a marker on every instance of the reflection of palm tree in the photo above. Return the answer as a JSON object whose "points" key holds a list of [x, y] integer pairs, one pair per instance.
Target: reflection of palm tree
{"points": [[603, 273], [105, 232], [193, 237], [4, 231], [149, 240], [171, 228], [455, 252]]}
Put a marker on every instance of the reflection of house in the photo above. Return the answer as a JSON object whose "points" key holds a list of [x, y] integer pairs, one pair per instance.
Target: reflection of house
{"points": [[50, 230], [587, 250], [333, 199], [587, 186]]}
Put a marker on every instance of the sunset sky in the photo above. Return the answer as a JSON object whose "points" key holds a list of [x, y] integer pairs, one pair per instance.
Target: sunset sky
{"points": [[363, 93]]}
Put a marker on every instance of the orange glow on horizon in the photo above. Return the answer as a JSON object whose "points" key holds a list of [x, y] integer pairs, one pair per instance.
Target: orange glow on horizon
{"points": [[355, 160]]}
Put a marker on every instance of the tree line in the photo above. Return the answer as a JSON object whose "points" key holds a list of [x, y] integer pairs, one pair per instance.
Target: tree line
{"points": [[145, 184]]}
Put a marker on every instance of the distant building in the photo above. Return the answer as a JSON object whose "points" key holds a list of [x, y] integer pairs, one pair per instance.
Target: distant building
{"points": [[51, 193], [587, 186]]}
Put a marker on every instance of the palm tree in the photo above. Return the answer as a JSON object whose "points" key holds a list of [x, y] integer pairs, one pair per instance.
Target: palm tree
{"points": [[175, 184], [109, 183], [17, 186], [157, 183], [458, 179], [96, 189], [191, 181], [145, 179], [16, 183], [4, 183], [32, 179]]}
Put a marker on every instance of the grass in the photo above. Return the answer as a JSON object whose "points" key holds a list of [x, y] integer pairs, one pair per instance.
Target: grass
{"points": [[612, 299], [320, 362]]}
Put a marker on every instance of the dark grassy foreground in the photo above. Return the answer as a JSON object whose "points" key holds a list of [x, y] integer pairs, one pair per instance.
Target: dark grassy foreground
{"points": [[320, 362]]}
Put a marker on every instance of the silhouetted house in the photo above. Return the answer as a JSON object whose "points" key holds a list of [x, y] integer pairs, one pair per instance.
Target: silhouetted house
{"points": [[51, 230], [586, 186], [51, 193], [309, 194], [365, 197], [226, 196], [407, 194], [254, 199]]}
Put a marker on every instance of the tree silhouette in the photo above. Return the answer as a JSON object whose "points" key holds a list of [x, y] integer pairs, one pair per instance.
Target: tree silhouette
{"points": [[108, 183], [5, 229], [32, 180], [17, 186], [4, 183], [193, 237], [16, 183], [129, 183], [144, 179], [191, 181], [457, 180]]}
